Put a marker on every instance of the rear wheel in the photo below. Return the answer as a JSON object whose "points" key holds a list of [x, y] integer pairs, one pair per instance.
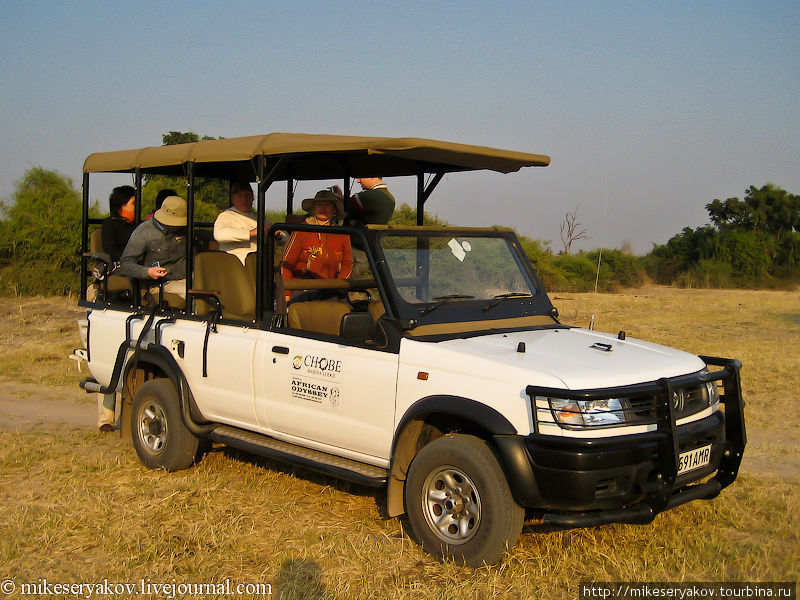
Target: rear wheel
{"points": [[159, 435], [459, 504]]}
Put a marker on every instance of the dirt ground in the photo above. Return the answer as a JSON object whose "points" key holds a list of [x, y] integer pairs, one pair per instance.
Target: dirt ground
{"points": [[28, 406]]}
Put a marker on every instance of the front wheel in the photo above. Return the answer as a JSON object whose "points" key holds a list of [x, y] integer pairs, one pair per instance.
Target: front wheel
{"points": [[459, 503], [159, 435]]}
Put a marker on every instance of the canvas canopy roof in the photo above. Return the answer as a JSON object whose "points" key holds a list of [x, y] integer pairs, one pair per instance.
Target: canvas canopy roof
{"points": [[313, 157]]}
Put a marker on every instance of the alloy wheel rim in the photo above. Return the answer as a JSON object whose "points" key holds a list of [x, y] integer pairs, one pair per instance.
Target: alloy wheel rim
{"points": [[451, 505], [153, 428]]}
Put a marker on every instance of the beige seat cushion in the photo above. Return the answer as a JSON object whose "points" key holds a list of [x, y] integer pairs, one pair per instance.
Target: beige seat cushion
{"points": [[116, 283], [250, 262], [319, 316], [376, 310], [224, 273]]}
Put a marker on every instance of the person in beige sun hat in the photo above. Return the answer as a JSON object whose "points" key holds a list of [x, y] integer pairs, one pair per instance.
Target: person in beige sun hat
{"points": [[155, 254], [326, 195], [314, 254], [172, 212], [156, 250]]}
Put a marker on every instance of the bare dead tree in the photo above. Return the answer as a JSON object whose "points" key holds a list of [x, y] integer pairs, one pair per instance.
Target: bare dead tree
{"points": [[572, 230], [627, 247]]}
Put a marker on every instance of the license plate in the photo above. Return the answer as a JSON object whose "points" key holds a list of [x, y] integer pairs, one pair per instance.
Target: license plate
{"points": [[694, 459]]}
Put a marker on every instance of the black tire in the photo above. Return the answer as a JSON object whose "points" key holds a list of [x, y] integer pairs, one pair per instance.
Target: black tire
{"points": [[458, 480], [161, 439]]}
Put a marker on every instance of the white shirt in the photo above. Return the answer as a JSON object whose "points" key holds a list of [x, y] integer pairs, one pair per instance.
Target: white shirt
{"points": [[232, 231]]}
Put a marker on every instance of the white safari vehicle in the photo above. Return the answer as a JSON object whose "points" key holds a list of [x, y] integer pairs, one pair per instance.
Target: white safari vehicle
{"points": [[438, 369]]}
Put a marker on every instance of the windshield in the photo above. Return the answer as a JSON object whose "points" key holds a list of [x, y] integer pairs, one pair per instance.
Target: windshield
{"points": [[429, 267]]}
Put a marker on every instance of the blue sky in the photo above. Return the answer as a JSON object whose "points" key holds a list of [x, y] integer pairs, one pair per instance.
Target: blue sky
{"points": [[665, 105]]}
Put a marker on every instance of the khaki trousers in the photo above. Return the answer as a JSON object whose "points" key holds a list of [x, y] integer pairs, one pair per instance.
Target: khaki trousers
{"points": [[106, 409]]}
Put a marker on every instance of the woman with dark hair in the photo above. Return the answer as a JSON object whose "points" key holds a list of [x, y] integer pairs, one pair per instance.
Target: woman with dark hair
{"points": [[118, 227], [115, 231]]}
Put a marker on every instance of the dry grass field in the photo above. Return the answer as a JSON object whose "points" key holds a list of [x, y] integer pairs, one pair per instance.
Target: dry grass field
{"points": [[76, 505]]}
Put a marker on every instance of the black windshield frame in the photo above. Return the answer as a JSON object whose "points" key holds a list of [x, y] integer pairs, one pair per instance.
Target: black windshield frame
{"points": [[459, 310]]}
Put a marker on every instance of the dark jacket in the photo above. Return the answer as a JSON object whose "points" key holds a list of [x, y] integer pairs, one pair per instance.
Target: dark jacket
{"points": [[116, 233], [375, 205]]}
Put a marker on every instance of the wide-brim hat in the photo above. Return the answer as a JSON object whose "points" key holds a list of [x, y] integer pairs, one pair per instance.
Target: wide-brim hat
{"points": [[172, 212], [327, 196]]}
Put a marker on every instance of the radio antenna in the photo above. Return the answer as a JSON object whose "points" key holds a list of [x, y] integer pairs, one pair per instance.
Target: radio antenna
{"points": [[602, 243]]}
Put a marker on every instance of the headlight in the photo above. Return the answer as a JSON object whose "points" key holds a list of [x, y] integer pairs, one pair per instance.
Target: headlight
{"points": [[713, 393], [588, 412]]}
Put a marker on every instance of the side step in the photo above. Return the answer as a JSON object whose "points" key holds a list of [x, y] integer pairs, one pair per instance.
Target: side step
{"points": [[322, 462]]}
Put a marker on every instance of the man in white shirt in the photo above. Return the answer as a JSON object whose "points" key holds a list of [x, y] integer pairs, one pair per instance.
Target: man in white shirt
{"points": [[236, 228]]}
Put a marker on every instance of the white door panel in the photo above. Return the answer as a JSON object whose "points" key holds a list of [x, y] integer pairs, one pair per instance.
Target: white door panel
{"points": [[226, 394], [106, 333], [339, 395]]}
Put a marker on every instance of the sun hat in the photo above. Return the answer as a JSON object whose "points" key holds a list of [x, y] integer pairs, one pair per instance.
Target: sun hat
{"points": [[324, 195], [172, 212]]}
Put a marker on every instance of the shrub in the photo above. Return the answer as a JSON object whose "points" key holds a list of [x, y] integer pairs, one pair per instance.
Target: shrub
{"points": [[625, 270], [541, 258], [580, 272], [41, 229], [706, 273]]}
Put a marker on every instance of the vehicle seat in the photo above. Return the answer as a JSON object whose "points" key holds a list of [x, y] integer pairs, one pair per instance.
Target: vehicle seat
{"points": [[224, 273], [250, 267], [116, 283], [376, 310], [96, 241], [171, 300], [318, 316]]}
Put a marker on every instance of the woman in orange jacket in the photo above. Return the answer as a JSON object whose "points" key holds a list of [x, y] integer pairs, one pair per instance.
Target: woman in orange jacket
{"points": [[314, 254]]}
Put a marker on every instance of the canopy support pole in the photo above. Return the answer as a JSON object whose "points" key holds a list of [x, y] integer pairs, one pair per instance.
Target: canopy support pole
{"points": [[137, 184], [423, 193], [189, 230], [84, 234], [420, 198], [289, 196], [264, 287]]}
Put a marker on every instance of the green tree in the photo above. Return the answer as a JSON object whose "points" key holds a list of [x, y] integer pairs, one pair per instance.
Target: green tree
{"points": [[406, 216], [768, 209], [751, 243], [729, 213], [41, 228], [774, 209], [182, 137]]}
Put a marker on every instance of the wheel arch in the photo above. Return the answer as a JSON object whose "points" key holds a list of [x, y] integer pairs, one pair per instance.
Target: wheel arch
{"points": [[156, 361], [430, 418]]}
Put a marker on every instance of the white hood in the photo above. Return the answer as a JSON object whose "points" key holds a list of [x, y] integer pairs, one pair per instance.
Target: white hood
{"points": [[568, 355]]}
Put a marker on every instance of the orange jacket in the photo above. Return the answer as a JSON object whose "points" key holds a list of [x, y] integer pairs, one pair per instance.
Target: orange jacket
{"points": [[323, 255]]}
